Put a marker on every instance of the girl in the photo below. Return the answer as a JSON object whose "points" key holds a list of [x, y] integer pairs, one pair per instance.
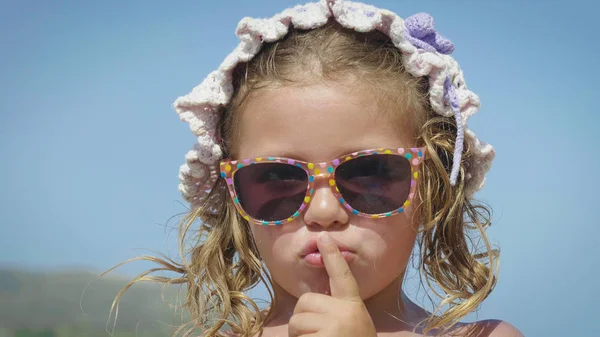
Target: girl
{"points": [[330, 142]]}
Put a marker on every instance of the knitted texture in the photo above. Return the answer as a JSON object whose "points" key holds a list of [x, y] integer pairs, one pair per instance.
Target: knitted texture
{"points": [[424, 53]]}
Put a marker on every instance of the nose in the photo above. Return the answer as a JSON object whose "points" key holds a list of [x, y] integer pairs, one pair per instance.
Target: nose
{"points": [[324, 210]]}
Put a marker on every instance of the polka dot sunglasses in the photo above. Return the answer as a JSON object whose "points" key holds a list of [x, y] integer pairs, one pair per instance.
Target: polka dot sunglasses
{"points": [[371, 183]]}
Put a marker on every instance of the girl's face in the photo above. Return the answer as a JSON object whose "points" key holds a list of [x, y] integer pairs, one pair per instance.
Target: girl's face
{"points": [[317, 123]]}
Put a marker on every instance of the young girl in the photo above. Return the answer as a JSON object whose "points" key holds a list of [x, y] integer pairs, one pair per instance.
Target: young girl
{"points": [[331, 142]]}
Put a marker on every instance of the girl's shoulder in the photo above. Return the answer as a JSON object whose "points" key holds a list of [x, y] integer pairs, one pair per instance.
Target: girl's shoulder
{"points": [[490, 328]]}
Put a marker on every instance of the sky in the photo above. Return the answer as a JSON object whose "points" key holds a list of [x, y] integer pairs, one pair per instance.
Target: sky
{"points": [[90, 145]]}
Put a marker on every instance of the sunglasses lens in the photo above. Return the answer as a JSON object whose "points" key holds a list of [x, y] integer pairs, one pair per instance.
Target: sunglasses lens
{"points": [[375, 184], [270, 191]]}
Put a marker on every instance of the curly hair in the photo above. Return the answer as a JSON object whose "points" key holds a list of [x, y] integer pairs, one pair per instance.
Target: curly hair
{"points": [[220, 261]]}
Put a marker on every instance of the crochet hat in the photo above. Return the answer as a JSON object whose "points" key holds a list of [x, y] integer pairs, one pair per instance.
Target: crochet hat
{"points": [[424, 53]]}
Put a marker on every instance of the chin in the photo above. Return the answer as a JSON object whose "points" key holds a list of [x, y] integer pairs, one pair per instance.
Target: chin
{"points": [[301, 279]]}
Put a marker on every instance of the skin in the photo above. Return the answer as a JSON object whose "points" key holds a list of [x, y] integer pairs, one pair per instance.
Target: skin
{"points": [[316, 123]]}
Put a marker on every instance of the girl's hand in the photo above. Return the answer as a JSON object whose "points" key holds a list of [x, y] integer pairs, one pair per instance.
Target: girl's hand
{"points": [[341, 314]]}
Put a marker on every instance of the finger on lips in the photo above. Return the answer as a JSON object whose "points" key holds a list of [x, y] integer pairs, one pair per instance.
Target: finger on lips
{"points": [[341, 280]]}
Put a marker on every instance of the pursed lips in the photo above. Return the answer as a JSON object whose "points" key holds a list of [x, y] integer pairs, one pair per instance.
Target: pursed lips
{"points": [[311, 255]]}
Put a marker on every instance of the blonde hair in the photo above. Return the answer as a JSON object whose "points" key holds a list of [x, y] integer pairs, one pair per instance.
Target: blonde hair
{"points": [[220, 261]]}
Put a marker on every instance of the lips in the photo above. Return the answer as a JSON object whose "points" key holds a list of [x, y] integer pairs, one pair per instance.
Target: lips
{"points": [[311, 255]]}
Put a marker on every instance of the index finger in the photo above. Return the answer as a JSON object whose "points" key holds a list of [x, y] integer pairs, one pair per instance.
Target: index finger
{"points": [[341, 280]]}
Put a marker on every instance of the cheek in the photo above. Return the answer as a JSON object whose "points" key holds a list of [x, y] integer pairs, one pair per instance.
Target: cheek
{"points": [[387, 245], [278, 247], [272, 241]]}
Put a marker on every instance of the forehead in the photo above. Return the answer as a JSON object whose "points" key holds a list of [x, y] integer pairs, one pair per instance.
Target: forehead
{"points": [[317, 122]]}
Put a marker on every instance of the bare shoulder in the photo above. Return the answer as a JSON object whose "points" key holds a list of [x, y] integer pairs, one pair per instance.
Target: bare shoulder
{"points": [[505, 329], [496, 328]]}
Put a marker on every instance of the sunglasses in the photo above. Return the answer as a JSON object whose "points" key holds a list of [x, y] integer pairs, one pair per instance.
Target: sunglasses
{"points": [[371, 183]]}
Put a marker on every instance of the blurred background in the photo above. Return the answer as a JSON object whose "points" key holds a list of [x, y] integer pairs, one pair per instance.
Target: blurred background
{"points": [[90, 149]]}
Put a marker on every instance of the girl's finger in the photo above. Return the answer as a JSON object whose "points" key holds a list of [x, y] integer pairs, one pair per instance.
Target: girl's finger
{"points": [[306, 323], [313, 302], [341, 280]]}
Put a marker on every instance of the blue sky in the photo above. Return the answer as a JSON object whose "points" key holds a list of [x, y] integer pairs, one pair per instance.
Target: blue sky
{"points": [[90, 145]]}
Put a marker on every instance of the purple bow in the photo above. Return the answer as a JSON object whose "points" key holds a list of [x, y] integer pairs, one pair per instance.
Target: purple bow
{"points": [[421, 32]]}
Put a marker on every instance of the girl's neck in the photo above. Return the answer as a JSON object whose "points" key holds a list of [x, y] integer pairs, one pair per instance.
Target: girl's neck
{"points": [[390, 309]]}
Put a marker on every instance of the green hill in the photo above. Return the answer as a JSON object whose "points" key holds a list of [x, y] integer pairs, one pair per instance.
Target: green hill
{"points": [[50, 305]]}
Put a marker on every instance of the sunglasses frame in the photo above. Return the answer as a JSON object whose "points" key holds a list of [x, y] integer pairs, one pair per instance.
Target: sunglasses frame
{"points": [[229, 167]]}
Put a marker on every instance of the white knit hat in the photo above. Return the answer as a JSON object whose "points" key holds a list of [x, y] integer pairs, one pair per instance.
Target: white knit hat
{"points": [[424, 53]]}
